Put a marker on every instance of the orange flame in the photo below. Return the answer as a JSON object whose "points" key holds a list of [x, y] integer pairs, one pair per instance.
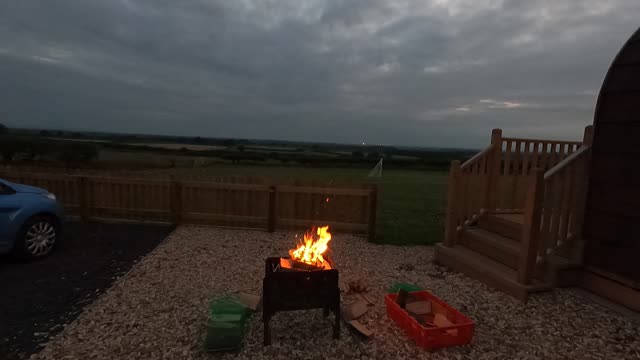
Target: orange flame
{"points": [[311, 249]]}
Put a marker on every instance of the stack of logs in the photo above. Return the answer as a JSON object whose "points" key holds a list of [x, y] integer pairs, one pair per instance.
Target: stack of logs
{"points": [[427, 313], [357, 290]]}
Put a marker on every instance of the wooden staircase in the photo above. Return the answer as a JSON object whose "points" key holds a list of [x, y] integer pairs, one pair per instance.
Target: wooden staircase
{"points": [[489, 251], [514, 214]]}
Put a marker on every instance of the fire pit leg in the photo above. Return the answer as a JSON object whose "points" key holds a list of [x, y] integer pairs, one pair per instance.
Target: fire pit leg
{"points": [[266, 317], [336, 325]]}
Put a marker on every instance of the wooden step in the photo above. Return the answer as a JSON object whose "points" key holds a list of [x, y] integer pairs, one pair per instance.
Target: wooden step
{"points": [[507, 225], [484, 269], [499, 248], [560, 271]]}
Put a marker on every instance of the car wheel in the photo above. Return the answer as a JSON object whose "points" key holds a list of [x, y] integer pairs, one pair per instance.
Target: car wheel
{"points": [[38, 237]]}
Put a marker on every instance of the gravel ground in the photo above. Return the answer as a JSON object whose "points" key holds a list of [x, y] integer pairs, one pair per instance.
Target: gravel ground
{"points": [[157, 310]]}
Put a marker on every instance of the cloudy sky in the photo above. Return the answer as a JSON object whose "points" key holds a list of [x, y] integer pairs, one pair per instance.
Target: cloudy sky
{"points": [[404, 72]]}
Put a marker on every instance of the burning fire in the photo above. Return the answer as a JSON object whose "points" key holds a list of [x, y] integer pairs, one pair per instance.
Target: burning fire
{"points": [[312, 247]]}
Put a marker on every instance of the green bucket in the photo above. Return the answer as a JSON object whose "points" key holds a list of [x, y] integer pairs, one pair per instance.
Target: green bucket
{"points": [[226, 324], [404, 286]]}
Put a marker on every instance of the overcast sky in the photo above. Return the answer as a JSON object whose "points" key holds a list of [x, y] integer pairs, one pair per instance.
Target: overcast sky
{"points": [[403, 72]]}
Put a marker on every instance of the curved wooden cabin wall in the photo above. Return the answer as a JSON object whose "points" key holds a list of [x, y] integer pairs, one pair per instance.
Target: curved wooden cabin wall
{"points": [[612, 224]]}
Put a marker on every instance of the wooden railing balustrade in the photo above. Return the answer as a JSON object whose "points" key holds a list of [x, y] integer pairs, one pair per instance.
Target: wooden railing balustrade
{"points": [[519, 158], [554, 210]]}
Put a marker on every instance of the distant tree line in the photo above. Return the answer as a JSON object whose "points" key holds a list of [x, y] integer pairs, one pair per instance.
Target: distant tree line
{"points": [[21, 144], [13, 148], [240, 154]]}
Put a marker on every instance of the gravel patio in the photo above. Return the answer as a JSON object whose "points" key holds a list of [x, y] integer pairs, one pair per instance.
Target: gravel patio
{"points": [[157, 310]]}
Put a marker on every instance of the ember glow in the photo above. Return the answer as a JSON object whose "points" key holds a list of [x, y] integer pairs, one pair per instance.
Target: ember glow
{"points": [[311, 249]]}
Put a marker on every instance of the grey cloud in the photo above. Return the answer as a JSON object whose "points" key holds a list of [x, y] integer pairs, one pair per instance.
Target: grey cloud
{"points": [[402, 72]]}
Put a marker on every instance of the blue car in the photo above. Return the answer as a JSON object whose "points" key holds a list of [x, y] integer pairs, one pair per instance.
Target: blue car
{"points": [[30, 220]]}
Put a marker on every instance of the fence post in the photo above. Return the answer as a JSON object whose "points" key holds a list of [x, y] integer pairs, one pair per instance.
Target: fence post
{"points": [[272, 220], [531, 227], [176, 200], [577, 253], [495, 163], [451, 227], [83, 183], [373, 212], [587, 139]]}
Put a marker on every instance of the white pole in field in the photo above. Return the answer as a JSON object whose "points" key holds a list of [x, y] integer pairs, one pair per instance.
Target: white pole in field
{"points": [[377, 170]]}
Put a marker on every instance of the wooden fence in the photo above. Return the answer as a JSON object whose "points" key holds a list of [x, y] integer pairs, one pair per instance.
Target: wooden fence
{"points": [[189, 201]]}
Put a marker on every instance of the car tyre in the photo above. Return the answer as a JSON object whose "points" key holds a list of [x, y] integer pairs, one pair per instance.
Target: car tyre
{"points": [[37, 237]]}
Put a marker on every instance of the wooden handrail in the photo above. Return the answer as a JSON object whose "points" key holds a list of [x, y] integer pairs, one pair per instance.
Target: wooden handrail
{"points": [[566, 162], [466, 192], [477, 157]]}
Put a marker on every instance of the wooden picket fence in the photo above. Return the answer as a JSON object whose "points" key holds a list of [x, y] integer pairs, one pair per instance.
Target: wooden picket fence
{"points": [[209, 202]]}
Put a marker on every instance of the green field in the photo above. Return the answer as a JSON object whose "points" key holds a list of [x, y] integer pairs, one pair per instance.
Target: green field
{"points": [[411, 203], [411, 192]]}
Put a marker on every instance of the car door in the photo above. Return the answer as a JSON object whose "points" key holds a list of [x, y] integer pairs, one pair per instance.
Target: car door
{"points": [[9, 204]]}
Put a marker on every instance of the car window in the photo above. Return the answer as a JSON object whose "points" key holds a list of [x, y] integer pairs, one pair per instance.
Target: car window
{"points": [[5, 190]]}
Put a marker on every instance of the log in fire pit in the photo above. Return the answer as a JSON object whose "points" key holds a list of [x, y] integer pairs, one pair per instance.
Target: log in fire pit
{"points": [[303, 281]]}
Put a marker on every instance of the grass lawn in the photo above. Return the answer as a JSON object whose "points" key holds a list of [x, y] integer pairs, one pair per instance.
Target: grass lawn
{"points": [[410, 204]]}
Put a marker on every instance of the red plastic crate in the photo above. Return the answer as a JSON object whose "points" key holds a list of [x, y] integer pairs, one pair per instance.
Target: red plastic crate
{"points": [[431, 337]]}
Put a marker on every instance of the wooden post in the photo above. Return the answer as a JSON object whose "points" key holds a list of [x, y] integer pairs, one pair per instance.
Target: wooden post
{"points": [[373, 212], [495, 162], [176, 200], [531, 227], [83, 183], [451, 229], [587, 139], [583, 172], [272, 220]]}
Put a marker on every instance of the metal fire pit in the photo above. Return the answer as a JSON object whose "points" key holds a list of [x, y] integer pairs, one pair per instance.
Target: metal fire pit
{"points": [[288, 290]]}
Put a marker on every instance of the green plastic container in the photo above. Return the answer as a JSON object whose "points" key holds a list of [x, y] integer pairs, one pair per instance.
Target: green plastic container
{"points": [[223, 336], [226, 324], [404, 286], [228, 305]]}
